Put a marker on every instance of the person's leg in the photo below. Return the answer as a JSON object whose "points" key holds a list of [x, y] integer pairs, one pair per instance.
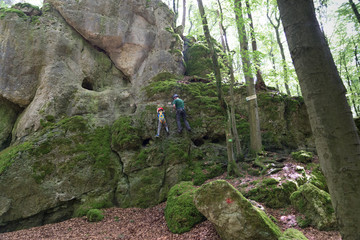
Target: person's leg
{"points": [[187, 125], [166, 127], [159, 128], [178, 115]]}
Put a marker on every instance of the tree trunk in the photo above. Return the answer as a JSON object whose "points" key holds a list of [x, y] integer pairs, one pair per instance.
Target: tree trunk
{"points": [[278, 39], [176, 11], [260, 84], [255, 135], [184, 14], [331, 120], [223, 105], [191, 23], [213, 55], [229, 63], [356, 12]]}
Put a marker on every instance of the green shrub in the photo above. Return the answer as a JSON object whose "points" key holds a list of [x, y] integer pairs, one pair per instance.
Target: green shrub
{"points": [[95, 215]]}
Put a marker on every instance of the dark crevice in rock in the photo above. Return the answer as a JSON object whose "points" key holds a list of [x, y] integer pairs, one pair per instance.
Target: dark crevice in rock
{"points": [[87, 84], [198, 142], [146, 142]]}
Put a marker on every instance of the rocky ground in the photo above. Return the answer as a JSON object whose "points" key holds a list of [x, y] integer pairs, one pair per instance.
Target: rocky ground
{"points": [[135, 223]]}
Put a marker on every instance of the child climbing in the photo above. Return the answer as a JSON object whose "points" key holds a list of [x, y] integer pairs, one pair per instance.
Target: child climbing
{"points": [[162, 121]]}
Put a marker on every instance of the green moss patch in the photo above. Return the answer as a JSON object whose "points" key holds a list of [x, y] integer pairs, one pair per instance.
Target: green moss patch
{"points": [[125, 135], [315, 204], [292, 234], [94, 215], [302, 156], [8, 155], [180, 212], [272, 193]]}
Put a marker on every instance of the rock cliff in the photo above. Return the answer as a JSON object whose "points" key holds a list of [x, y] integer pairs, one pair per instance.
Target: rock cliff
{"points": [[80, 82]]}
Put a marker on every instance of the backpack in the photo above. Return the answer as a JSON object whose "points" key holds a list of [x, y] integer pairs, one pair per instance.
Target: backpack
{"points": [[161, 117]]}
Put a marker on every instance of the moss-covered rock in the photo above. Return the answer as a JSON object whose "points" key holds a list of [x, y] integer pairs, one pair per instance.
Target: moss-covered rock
{"points": [[232, 214], [292, 234], [94, 215], [124, 134], [198, 60], [302, 156], [315, 204], [273, 193], [180, 212], [66, 163], [317, 178], [8, 115]]}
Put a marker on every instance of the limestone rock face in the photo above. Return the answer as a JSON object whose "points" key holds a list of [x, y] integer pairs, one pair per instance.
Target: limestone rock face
{"points": [[135, 34], [233, 215], [8, 115], [56, 70]]}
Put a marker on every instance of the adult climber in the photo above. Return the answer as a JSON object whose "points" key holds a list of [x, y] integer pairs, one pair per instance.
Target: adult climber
{"points": [[179, 105]]}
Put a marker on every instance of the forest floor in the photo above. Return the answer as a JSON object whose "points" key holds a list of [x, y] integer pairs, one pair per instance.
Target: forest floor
{"points": [[150, 224]]}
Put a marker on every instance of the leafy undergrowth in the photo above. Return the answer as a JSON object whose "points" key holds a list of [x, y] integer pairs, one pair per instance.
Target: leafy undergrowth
{"points": [[136, 223]]}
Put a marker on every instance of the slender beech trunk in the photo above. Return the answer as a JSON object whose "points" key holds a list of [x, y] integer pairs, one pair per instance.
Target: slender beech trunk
{"points": [[349, 81], [229, 62], [255, 135], [176, 10], [184, 14], [223, 105], [278, 39], [336, 138], [356, 12], [191, 23], [260, 84]]}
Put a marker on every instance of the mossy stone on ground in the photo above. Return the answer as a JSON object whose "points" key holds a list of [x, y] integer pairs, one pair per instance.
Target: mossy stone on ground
{"points": [[315, 204], [180, 212], [94, 215], [293, 234], [272, 193], [302, 156], [232, 214], [317, 178]]}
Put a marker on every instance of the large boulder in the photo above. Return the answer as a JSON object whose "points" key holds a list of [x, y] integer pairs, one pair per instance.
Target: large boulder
{"points": [[54, 71], [48, 177], [232, 214], [137, 35], [61, 65], [315, 204], [180, 212]]}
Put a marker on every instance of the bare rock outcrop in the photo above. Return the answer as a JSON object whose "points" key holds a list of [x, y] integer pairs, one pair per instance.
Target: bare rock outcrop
{"points": [[136, 35], [92, 60]]}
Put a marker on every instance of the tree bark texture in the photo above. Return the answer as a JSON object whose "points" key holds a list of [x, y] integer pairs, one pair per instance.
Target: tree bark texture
{"points": [[260, 84], [331, 120], [255, 135]]}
